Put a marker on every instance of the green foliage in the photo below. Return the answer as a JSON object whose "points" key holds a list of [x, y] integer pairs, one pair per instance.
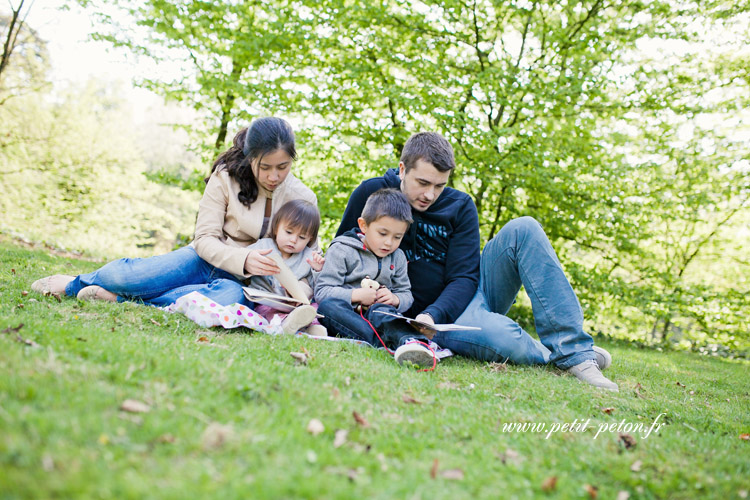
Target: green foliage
{"points": [[64, 435], [73, 177], [622, 127]]}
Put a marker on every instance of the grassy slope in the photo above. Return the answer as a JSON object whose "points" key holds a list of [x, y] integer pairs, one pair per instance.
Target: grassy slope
{"points": [[63, 435]]}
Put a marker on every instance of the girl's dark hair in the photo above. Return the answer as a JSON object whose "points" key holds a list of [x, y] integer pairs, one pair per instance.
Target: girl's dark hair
{"points": [[264, 136], [298, 214]]}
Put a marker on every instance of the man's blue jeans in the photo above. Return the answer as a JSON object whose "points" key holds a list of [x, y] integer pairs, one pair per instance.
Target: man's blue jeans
{"points": [[342, 320], [163, 279], [521, 254]]}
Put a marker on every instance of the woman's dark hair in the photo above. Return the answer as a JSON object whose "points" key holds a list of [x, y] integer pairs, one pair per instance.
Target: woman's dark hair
{"points": [[298, 214], [264, 136]]}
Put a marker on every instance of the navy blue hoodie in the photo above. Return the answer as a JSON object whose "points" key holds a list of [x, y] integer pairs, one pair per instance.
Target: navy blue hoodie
{"points": [[442, 247]]}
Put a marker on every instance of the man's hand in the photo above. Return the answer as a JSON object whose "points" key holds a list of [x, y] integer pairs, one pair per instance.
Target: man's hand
{"points": [[385, 296], [317, 261], [258, 264], [425, 318], [364, 296]]}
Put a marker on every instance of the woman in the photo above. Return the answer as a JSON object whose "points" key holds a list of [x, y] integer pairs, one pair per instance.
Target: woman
{"points": [[248, 184]]}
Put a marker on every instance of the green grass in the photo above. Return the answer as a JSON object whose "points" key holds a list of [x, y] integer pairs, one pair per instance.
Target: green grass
{"points": [[62, 434]]}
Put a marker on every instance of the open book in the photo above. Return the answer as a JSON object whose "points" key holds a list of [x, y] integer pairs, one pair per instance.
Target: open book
{"points": [[297, 296], [444, 327]]}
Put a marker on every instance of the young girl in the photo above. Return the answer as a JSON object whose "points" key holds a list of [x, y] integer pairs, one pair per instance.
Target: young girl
{"points": [[248, 184], [294, 230]]}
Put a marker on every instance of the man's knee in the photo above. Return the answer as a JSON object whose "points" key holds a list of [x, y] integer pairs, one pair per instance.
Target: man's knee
{"points": [[523, 224]]}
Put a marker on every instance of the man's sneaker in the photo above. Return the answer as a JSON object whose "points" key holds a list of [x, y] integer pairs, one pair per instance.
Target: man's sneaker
{"points": [[588, 372], [416, 353], [603, 358], [299, 318]]}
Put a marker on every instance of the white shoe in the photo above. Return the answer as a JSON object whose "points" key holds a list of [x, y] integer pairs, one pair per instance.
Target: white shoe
{"points": [[603, 358], [298, 319], [415, 353], [317, 330], [95, 292], [588, 372], [52, 284]]}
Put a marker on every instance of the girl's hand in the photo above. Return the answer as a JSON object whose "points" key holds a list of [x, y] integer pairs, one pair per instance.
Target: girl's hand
{"points": [[385, 296], [317, 261], [258, 264]]}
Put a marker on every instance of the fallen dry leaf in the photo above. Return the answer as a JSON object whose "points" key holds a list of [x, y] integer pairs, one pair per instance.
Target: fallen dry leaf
{"points": [[608, 411], [627, 440], [622, 495], [315, 427], [299, 357], [340, 438], [12, 271], [24, 293], [434, 469], [408, 399], [593, 491], [155, 322], [166, 438], [360, 419], [217, 435], [335, 393], [497, 367], [681, 385], [638, 388], [745, 437], [134, 406], [202, 339], [352, 474], [12, 329], [636, 467], [28, 342], [456, 474], [56, 296], [511, 456], [307, 353], [549, 484]]}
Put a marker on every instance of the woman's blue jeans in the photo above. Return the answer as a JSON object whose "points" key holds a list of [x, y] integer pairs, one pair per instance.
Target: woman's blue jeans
{"points": [[522, 254], [163, 279]]}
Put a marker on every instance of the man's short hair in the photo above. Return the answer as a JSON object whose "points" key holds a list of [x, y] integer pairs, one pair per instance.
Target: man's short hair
{"points": [[430, 147], [387, 202]]}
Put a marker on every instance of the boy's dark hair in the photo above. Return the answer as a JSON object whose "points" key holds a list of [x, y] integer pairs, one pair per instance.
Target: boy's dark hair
{"points": [[430, 147], [298, 214], [387, 202], [265, 136]]}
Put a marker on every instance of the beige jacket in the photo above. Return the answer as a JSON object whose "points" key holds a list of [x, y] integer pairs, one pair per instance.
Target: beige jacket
{"points": [[225, 227]]}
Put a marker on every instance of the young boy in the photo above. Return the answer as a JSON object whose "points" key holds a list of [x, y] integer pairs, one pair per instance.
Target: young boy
{"points": [[372, 252]]}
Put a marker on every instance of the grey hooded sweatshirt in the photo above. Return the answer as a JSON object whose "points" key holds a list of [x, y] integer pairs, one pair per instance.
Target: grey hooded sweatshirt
{"points": [[348, 261]]}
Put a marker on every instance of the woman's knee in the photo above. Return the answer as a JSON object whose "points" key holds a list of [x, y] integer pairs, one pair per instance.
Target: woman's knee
{"points": [[226, 292]]}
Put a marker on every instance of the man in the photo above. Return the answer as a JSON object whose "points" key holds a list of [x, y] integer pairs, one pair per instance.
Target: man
{"points": [[452, 284]]}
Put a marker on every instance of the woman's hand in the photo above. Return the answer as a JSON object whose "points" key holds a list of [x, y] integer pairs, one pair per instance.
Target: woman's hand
{"points": [[258, 264], [317, 261], [385, 296]]}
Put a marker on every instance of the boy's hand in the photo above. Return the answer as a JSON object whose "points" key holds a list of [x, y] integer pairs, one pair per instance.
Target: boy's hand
{"points": [[317, 261], [427, 332], [385, 296], [257, 264], [364, 296]]}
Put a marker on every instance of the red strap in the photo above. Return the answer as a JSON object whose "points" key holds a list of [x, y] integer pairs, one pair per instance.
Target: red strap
{"points": [[434, 356]]}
